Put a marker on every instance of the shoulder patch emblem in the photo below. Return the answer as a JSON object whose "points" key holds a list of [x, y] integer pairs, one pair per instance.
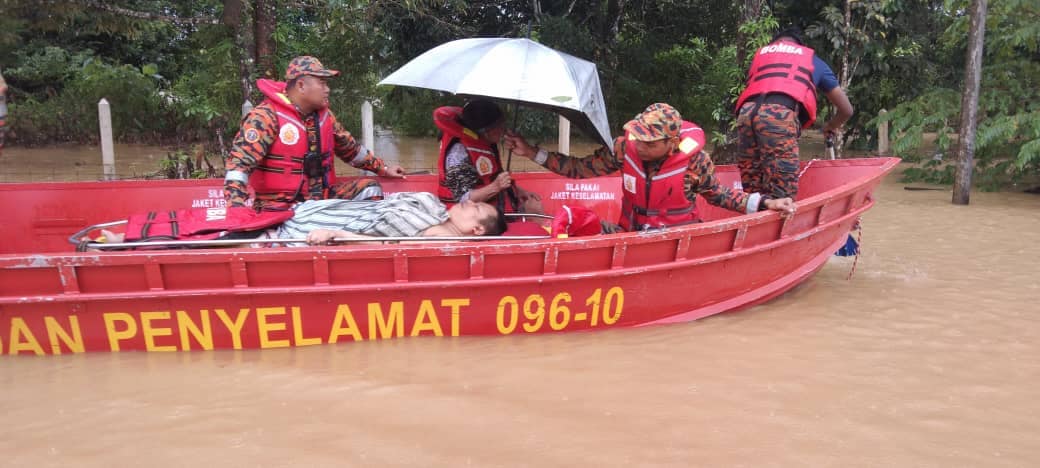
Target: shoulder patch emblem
{"points": [[484, 166], [252, 136], [687, 145], [629, 183], [289, 134]]}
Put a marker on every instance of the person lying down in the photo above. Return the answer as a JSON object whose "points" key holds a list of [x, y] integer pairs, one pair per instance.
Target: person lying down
{"points": [[404, 214]]}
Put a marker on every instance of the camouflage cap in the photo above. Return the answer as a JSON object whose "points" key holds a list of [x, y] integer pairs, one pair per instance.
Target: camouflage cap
{"points": [[657, 122], [307, 65]]}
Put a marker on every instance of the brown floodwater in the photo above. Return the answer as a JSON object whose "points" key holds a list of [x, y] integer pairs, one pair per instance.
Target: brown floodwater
{"points": [[928, 357]]}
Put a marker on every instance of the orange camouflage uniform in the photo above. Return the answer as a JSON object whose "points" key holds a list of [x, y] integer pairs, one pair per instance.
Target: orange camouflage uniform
{"points": [[699, 179], [245, 155], [768, 147]]}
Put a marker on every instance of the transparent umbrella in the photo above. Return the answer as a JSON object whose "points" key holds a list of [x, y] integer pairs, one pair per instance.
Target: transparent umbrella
{"points": [[518, 71]]}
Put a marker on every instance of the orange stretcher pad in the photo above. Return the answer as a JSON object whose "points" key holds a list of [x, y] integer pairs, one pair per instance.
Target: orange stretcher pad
{"points": [[200, 223]]}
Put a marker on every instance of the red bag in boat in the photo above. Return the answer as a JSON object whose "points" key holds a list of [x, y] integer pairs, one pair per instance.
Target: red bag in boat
{"points": [[575, 221], [200, 223]]}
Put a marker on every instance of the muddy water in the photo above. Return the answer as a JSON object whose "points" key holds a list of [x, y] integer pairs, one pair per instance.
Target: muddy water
{"points": [[83, 163], [929, 356], [77, 162]]}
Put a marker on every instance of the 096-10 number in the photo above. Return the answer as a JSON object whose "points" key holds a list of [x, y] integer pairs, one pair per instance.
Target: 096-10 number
{"points": [[605, 309]]}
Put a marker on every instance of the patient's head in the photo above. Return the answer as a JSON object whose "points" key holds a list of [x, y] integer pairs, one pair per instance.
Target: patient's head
{"points": [[477, 218]]}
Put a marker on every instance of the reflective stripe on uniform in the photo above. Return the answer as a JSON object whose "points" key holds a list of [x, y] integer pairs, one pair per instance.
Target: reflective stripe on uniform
{"points": [[236, 176], [479, 150], [372, 191], [669, 174], [292, 119], [359, 162], [635, 166], [752, 202]]}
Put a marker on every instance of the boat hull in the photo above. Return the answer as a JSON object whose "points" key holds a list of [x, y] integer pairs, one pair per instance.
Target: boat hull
{"points": [[66, 302]]}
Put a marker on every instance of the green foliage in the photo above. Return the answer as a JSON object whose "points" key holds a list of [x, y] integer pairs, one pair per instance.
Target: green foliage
{"points": [[210, 98], [412, 110], [65, 108], [172, 75], [47, 69], [1007, 143], [758, 32], [181, 164], [561, 34], [933, 172]]}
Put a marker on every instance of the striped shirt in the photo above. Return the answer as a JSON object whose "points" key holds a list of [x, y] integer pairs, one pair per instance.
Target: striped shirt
{"points": [[404, 214]]}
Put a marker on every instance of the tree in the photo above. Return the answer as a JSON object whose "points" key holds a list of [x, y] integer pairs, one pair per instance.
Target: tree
{"points": [[749, 13], [1007, 140], [970, 103], [235, 17], [855, 31], [264, 23]]}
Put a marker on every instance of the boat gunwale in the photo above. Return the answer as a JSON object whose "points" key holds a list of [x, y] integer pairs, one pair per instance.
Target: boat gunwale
{"points": [[415, 285], [553, 247], [693, 230]]}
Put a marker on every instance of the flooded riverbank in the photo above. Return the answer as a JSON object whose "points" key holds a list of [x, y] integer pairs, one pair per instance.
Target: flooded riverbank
{"points": [[928, 357]]}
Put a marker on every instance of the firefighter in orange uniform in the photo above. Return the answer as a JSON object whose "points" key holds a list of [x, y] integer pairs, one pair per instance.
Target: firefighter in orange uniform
{"points": [[777, 104], [470, 167], [663, 169], [285, 147]]}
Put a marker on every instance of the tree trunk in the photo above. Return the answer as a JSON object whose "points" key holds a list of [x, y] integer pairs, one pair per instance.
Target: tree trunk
{"points": [[751, 11], [265, 21], [236, 18], [845, 79], [612, 23], [232, 14], [970, 104], [727, 153], [847, 32]]}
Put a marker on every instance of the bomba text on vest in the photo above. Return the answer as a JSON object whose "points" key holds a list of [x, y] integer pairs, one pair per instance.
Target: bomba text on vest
{"points": [[781, 48]]}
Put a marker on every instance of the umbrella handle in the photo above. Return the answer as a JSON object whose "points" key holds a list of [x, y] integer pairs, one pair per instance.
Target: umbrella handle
{"points": [[516, 121]]}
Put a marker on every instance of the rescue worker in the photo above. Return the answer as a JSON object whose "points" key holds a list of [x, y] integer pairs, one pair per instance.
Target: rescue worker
{"points": [[3, 112], [663, 168], [284, 149], [469, 164], [780, 101]]}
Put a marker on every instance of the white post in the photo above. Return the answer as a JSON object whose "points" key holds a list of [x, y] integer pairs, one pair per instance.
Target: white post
{"points": [[108, 157], [882, 135], [368, 128], [246, 107], [565, 136]]}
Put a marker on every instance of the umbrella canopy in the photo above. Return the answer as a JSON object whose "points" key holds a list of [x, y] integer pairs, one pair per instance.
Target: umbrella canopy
{"points": [[514, 70]]}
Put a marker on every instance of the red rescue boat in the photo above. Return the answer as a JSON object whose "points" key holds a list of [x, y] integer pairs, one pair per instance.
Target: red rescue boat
{"points": [[54, 300]]}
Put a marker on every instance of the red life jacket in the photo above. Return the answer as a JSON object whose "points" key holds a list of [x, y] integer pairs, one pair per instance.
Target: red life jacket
{"points": [[660, 200], [200, 223], [783, 67], [282, 169], [482, 155]]}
